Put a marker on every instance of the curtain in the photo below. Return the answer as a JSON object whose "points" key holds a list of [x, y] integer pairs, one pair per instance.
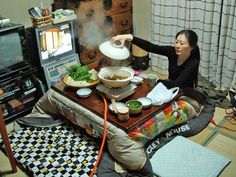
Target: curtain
{"points": [[213, 21], [226, 65]]}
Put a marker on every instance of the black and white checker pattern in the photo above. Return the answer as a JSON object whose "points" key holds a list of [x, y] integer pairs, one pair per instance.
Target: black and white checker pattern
{"points": [[56, 151]]}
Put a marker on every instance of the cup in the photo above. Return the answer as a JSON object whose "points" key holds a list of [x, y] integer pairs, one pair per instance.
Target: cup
{"points": [[152, 78], [123, 114]]}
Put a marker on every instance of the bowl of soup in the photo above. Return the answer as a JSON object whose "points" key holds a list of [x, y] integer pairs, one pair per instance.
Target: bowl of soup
{"points": [[115, 76]]}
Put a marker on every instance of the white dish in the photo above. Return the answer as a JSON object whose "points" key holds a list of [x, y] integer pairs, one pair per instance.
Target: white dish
{"points": [[146, 102], [84, 92], [118, 105], [137, 80], [114, 52]]}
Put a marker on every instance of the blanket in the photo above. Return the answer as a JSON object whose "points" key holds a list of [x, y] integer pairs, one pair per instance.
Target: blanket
{"points": [[186, 129], [178, 112], [216, 97], [120, 145], [126, 149]]}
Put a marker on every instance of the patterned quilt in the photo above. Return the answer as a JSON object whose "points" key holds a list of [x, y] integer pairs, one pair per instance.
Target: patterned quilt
{"points": [[58, 151], [178, 112]]}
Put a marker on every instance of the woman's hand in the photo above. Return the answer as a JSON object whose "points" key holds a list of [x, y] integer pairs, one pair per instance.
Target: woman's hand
{"points": [[119, 40]]}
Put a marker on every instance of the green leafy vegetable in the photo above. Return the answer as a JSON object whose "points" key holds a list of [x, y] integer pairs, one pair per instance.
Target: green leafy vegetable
{"points": [[134, 104], [79, 73]]}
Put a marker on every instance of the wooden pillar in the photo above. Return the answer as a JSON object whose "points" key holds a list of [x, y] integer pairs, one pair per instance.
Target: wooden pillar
{"points": [[6, 142]]}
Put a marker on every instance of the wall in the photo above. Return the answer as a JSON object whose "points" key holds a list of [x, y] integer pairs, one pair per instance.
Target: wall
{"points": [[17, 10]]}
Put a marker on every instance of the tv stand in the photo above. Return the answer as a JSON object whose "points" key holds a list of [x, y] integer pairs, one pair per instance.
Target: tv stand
{"points": [[20, 90]]}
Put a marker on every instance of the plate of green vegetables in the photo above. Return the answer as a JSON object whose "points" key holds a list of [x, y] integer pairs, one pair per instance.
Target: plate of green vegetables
{"points": [[80, 76]]}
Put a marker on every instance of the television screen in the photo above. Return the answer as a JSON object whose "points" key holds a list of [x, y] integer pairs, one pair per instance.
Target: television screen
{"points": [[55, 41], [10, 49], [51, 43]]}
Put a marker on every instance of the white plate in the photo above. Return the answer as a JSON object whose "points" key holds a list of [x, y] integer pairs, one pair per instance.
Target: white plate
{"points": [[68, 81], [118, 105], [146, 102]]}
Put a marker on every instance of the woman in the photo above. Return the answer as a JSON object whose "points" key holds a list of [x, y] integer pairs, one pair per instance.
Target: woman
{"points": [[184, 58]]}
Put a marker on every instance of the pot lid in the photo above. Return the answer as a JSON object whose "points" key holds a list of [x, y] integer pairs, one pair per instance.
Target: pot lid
{"points": [[114, 52]]}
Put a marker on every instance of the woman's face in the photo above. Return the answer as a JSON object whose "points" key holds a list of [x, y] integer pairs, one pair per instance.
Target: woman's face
{"points": [[182, 46]]}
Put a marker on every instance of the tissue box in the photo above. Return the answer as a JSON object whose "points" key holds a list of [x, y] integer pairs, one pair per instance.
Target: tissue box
{"points": [[61, 15], [64, 18]]}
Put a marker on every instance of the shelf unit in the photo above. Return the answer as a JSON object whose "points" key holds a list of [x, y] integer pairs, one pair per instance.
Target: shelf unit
{"points": [[20, 90]]}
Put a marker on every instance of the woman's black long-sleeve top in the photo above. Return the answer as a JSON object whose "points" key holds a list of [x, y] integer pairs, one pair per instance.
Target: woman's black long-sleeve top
{"points": [[184, 75]]}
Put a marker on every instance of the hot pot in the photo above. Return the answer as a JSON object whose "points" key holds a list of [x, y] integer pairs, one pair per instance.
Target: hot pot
{"points": [[115, 75]]}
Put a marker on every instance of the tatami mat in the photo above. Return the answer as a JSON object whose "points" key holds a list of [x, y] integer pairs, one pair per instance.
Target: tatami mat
{"points": [[230, 126], [203, 136], [5, 168], [226, 147]]}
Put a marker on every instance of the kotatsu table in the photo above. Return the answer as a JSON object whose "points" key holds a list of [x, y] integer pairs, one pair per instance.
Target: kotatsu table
{"points": [[123, 144], [95, 104]]}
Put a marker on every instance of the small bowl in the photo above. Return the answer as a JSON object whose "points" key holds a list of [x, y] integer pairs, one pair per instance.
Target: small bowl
{"points": [[135, 106], [146, 102], [84, 92], [137, 80], [118, 105]]}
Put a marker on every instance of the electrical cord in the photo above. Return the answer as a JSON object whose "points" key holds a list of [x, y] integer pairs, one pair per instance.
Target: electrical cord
{"points": [[220, 126], [231, 115], [104, 137]]}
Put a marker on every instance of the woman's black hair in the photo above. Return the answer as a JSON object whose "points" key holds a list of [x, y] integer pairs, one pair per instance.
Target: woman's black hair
{"points": [[192, 39]]}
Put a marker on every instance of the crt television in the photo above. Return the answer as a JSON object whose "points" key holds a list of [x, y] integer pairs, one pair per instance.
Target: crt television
{"points": [[12, 46], [52, 42]]}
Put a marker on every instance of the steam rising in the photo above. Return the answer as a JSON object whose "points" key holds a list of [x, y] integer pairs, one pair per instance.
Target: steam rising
{"points": [[92, 25], [92, 35]]}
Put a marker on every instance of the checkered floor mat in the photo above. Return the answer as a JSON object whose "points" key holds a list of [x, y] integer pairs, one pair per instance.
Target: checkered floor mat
{"points": [[57, 151]]}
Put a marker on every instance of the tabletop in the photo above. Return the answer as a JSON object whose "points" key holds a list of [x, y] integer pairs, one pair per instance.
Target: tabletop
{"points": [[95, 104]]}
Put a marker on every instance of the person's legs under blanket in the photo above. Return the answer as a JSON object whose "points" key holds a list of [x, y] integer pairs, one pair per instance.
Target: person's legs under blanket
{"points": [[122, 148]]}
